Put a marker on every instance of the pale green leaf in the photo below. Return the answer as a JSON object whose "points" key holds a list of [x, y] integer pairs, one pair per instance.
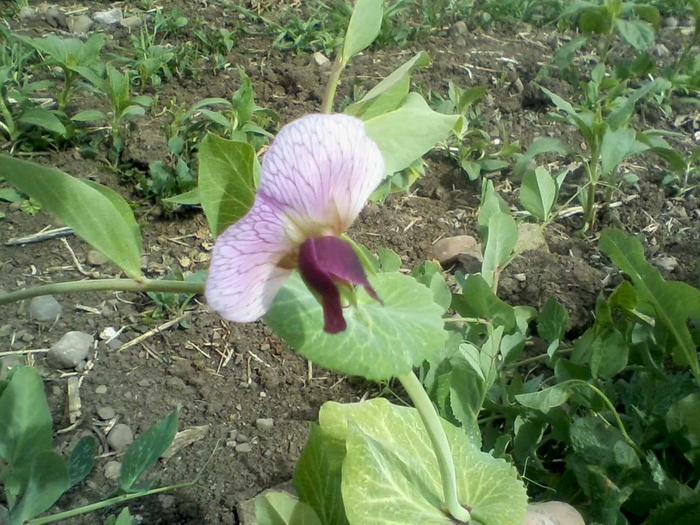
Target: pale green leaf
{"points": [[539, 146], [364, 26], [409, 132], [616, 146], [637, 33], [279, 508], [502, 237], [96, 213], [381, 340], [226, 181], [48, 480], [538, 193]]}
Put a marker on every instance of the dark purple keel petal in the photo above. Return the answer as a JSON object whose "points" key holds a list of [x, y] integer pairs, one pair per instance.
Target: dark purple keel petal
{"points": [[324, 262]]}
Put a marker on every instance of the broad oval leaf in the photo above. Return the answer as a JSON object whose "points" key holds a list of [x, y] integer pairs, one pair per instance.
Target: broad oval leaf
{"points": [[96, 213], [390, 92], [48, 480], [380, 341], [616, 146], [502, 237], [408, 132], [548, 398], [226, 181], [391, 474], [280, 508], [637, 33], [145, 451], [538, 193], [364, 26]]}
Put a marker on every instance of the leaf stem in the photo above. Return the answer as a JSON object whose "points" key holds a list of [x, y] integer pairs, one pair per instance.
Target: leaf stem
{"points": [[101, 285], [441, 447]]}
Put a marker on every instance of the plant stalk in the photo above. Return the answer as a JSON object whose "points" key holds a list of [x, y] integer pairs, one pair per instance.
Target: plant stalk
{"points": [[332, 85], [441, 447], [101, 285]]}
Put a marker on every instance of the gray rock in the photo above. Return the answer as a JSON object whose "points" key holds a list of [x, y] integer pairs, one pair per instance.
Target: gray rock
{"points": [[108, 17], [113, 470], [264, 423], [242, 438], [70, 350], [670, 22], [44, 308], [120, 437], [96, 258], [101, 389], [459, 28], [321, 59], [244, 448], [55, 17], [5, 330], [27, 13], [106, 413], [79, 25], [131, 22]]}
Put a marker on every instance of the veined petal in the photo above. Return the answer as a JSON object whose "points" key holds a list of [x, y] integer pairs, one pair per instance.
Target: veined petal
{"points": [[246, 270], [321, 169]]}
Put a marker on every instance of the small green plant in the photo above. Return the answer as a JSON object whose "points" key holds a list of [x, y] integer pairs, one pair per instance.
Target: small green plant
{"points": [[74, 57], [153, 61], [115, 87], [33, 475]]}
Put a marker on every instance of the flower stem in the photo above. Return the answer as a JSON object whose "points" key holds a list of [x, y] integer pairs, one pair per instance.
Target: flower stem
{"points": [[101, 285], [436, 432]]}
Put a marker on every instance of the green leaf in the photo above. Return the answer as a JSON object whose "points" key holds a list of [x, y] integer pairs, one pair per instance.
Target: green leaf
{"points": [[190, 198], [145, 451], [81, 460], [318, 476], [674, 303], [684, 511], [478, 300], [89, 115], [364, 26], [553, 321], [226, 181], [45, 119], [279, 508], [124, 518], [616, 146], [539, 146], [97, 214], [380, 341], [390, 92], [25, 422], [10, 195], [599, 443], [430, 274], [595, 20], [683, 418], [391, 475], [623, 113], [538, 193], [48, 480], [408, 132], [502, 236], [491, 203], [546, 399], [638, 34]]}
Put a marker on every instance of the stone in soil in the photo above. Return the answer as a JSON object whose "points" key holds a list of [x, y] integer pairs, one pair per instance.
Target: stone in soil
{"points": [[70, 350], [264, 423], [44, 308], [244, 448], [101, 389], [106, 413], [447, 250], [113, 470], [96, 258], [108, 17], [120, 437], [79, 25]]}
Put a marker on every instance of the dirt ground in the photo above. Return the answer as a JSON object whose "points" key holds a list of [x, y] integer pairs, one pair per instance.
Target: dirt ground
{"points": [[227, 376]]}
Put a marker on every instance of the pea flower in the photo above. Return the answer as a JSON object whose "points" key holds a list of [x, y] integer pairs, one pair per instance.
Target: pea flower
{"points": [[316, 177]]}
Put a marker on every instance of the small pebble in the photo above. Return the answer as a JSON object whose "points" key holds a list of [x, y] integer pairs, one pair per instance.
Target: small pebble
{"points": [[145, 382], [106, 413], [96, 258], [70, 350], [44, 308], [242, 438], [447, 250], [244, 448], [101, 389], [5, 330], [113, 470], [131, 22], [79, 25], [108, 17], [263, 394], [120, 437], [264, 423], [321, 59], [459, 28]]}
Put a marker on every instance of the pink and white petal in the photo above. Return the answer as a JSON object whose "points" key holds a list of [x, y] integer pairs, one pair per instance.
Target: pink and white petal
{"points": [[322, 169], [244, 275]]}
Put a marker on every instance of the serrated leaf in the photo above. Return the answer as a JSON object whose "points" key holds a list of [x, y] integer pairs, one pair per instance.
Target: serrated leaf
{"points": [[96, 213], [226, 181], [143, 453], [380, 341], [364, 26], [674, 303], [391, 475]]}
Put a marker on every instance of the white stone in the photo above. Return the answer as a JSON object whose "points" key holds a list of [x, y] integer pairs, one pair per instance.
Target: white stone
{"points": [[70, 350]]}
